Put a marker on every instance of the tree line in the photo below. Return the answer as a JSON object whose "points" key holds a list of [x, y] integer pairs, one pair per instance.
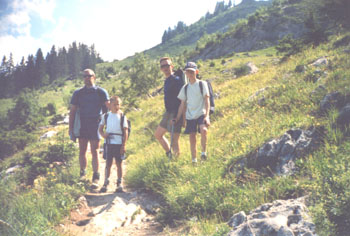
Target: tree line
{"points": [[37, 71]]}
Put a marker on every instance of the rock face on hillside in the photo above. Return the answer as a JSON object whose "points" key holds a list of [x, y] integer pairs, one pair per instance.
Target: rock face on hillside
{"points": [[279, 218], [262, 34], [279, 155]]}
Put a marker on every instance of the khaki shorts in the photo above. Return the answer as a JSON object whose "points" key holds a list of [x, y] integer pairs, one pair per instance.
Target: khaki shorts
{"points": [[166, 122]]}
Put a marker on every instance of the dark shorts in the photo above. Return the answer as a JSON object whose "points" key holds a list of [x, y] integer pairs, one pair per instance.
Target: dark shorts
{"points": [[166, 122], [89, 128], [192, 126], [113, 151]]}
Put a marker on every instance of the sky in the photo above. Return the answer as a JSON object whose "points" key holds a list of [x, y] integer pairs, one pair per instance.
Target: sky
{"points": [[117, 28]]}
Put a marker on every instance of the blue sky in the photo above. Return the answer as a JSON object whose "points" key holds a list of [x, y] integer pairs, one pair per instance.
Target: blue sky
{"points": [[117, 28]]}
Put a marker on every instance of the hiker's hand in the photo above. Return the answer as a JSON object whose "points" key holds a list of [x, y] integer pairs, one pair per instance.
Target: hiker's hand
{"points": [[105, 135], [207, 121], [122, 150]]}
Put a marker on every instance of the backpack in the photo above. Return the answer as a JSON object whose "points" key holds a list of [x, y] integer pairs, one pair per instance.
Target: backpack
{"points": [[211, 95], [121, 124], [180, 73]]}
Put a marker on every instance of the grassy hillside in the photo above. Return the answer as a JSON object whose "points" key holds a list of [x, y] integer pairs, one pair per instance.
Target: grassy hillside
{"points": [[187, 40], [211, 194]]}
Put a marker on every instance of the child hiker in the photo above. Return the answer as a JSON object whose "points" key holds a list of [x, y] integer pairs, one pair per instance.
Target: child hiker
{"points": [[116, 135], [194, 98]]}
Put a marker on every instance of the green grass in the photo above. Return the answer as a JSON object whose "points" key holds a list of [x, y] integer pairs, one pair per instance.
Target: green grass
{"points": [[201, 199], [240, 125]]}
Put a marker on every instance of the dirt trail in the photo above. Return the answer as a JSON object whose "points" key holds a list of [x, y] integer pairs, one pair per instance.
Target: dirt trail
{"points": [[130, 212]]}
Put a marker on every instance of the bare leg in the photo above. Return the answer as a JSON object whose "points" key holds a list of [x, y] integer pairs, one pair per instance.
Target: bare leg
{"points": [[176, 145], [108, 168], [119, 169], [82, 153], [204, 132], [193, 145], [94, 146], [159, 134]]}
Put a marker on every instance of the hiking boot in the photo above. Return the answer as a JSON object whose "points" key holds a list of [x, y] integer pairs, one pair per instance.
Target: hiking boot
{"points": [[169, 155], [95, 179], [104, 187], [119, 188], [204, 157], [194, 161], [82, 174]]}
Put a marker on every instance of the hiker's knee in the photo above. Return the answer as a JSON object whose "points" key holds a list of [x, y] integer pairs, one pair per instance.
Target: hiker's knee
{"points": [[204, 130], [159, 133]]}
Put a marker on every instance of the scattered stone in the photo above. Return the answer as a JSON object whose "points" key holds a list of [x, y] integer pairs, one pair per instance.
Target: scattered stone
{"points": [[280, 218], [320, 62], [48, 134], [343, 119], [252, 68], [258, 94], [300, 68], [332, 100]]}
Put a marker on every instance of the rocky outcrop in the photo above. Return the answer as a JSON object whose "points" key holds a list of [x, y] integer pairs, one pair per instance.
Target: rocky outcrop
{"points": [[279, 155], [262, 34], [279, 218]]}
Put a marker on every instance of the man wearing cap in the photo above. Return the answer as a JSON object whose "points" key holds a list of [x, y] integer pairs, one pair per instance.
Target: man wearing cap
{"points": [[172, 86], [194, 98]]}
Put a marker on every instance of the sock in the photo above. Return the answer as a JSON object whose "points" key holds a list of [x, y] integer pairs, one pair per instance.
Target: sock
{"points": [[204, 153]]}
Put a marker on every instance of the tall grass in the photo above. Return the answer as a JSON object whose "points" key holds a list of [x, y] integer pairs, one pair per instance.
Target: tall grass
{"points": [[209, 192]]}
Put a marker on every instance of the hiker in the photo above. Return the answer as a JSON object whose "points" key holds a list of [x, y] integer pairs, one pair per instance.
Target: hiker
{"points": [[116, 134], [194, 98], [172, 86], [87, 103]]}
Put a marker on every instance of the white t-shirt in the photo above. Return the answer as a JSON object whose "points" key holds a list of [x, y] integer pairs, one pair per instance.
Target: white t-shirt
{"points": [[195, 101], [113, 126]]}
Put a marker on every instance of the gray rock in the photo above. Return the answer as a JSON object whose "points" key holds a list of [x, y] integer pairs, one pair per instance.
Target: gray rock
{"points": [[280, 154], [332, 100], [279, 219], [252, 68], [320, 62], [343, 119], [237, 219]]}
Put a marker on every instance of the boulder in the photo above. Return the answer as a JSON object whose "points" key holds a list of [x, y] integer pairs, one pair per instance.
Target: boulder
{"points": [[280, 154], [332, 100], [343, 119], [279, 218]]}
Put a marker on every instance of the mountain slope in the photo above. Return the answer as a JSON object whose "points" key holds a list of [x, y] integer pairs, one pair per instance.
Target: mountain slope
{"points": [[220, 23]]}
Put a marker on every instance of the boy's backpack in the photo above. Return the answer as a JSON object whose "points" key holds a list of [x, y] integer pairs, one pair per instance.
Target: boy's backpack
{"points": [[211, 95], [180, 73], [121, 124]]}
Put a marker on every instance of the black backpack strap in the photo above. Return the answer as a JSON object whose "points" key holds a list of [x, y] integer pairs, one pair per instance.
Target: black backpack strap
{"points": [[105, 117], [201, 86], [186, 90]]}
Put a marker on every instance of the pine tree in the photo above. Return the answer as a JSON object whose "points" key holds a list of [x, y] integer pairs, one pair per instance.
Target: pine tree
{"points": [[52, 65], [40, 71], [74, 62]]}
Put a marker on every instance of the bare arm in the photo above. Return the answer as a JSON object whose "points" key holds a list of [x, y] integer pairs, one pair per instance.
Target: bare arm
{"points": [[72, 111], [180, 111], [125, 138], [207, 107]]}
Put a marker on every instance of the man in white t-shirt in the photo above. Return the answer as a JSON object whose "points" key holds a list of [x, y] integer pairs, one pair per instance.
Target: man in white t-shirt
{"points": [[194, 97], [116, 134]]}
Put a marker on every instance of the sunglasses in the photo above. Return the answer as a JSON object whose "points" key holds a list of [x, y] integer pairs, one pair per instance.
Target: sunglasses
{"points": [[87, 76], [163, 66]]}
